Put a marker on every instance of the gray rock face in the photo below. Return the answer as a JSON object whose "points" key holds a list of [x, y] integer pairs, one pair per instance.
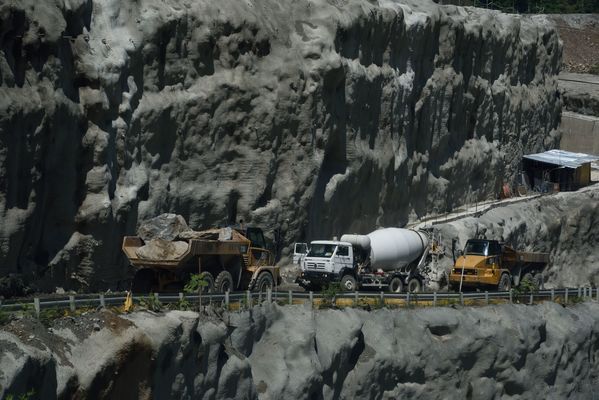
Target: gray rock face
{"points": [[293, 352], [313, 117], [580, 93]]}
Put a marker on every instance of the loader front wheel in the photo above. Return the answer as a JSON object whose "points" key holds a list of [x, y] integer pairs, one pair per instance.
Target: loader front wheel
{"points": [[264, 282], [223, 282]]}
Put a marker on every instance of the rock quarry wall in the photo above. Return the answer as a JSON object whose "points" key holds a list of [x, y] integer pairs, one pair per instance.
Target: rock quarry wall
{"points": [[309, 118], [293, 352]]}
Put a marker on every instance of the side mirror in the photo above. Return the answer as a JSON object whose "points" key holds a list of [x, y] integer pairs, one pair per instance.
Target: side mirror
{"points": [[299, 251]]}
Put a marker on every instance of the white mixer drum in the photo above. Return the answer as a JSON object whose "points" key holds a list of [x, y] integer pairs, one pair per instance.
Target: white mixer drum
{"points": [[392, 248]]}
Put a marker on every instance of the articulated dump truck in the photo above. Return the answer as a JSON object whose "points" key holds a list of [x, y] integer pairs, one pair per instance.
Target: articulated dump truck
{"points": [[230, 258], [490, 264], [389, 258]]}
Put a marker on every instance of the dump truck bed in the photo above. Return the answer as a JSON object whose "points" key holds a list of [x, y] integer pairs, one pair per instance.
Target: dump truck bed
{"points": [[198, 244]]}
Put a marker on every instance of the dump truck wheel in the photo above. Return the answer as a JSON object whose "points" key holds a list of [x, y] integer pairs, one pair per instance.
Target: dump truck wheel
{"points": [[414, 285], [223, 282], [396, 285], [143, 281], [348, 283], [210, 280], [264, 282], [527, 277], [505, 283], [538, 281]]}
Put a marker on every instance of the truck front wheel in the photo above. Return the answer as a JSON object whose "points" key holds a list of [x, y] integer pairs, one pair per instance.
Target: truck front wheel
{"points": [[505, 283], [348, 283], [396, 285]]}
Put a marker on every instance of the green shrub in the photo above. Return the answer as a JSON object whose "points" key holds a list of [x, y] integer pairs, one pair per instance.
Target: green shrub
{"points": [[196, 281], [329, 293], [151, 303]]}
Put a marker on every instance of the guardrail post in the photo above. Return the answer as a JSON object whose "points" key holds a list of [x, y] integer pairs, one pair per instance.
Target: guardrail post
{"points": [[552, 294], [356, 299], [408, 299], [487, 297], [180, 296], [290, 297], [311, 298], [102, 302], [36, 306], [579, 295], [382, 299], [72, 302], [227, 299], [461, 298], [566, 297], [434, 299], [248, 296], [511, 296], [157, 297], [531, 299], [269, 295]]}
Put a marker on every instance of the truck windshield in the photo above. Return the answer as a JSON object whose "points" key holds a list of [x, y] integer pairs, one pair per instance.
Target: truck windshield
{"points": [[477, 248], [321, 250]]}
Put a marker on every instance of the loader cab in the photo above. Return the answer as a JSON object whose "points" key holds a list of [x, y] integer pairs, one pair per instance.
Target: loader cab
{"points": [[256, 236], [259, 251]]}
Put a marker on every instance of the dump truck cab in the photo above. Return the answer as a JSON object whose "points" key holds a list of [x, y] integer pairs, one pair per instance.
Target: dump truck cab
{"points": [[489, 263]]}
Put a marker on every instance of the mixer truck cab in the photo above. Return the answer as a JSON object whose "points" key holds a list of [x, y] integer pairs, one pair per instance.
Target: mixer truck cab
{"points": [[324, 262]]}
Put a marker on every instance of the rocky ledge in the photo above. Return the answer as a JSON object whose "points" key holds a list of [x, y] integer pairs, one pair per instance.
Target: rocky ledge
{"points": [[284, 352]]}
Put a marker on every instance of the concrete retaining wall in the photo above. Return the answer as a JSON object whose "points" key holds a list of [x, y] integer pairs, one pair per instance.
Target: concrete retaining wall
{"points": [[580, 133]]}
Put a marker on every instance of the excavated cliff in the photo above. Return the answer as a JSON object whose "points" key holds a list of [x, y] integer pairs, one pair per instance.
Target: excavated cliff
{"points": [[309, 118], [293, 352]]}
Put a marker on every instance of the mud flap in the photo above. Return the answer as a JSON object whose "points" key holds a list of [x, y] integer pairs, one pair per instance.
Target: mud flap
{"points": [[516, 274]]}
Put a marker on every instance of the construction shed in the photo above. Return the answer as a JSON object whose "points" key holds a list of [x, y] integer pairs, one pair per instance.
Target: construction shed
{"points": [[558, 170]]}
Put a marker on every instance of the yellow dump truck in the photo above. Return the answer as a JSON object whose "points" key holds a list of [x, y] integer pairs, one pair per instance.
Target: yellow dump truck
{"points": [[230, 258], [490, 264]]}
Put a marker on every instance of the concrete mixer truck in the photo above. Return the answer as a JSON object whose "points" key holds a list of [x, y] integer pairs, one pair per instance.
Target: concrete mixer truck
{"points": [[388, 258]]}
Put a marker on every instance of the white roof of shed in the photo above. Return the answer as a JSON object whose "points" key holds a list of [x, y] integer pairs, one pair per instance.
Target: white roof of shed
{"points": [[562, 158]]}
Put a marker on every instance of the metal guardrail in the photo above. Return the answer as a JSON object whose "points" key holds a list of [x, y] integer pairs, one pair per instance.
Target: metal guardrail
{"points": [[249, 299]]}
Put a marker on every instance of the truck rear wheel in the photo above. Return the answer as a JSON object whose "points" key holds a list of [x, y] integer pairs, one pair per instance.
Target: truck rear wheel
{"points": [[538, 281], [348, 283], [264, 282], [396, 285], [143, 281], [505, 283], [223, 282], [209, 288], [414, 285]]}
